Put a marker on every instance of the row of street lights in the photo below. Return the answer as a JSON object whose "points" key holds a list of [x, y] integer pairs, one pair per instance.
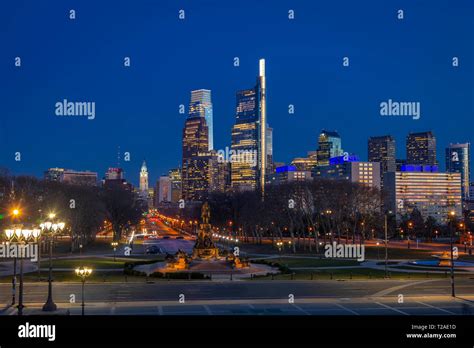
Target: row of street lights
{"points": [[225, 239], [24, 236]]}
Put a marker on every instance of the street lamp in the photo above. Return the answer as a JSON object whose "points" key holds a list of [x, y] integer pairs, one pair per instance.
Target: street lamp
{"points": [[114, 245], [15, 213], [452, 215], [386, 242], [22, 237], [279, 246], [50, 229], [83, 273], [410, 227]]}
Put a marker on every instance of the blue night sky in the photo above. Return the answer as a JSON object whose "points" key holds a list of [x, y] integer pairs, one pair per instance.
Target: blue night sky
{"points": [[137, 107]]}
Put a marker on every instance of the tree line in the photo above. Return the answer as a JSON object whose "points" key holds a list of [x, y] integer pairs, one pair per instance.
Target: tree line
{"points": [[84, 209]]}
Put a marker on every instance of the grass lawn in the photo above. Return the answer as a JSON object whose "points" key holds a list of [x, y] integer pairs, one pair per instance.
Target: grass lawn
{"points": [[71, 276], [396, 253], [307, 262], [94, 263]]}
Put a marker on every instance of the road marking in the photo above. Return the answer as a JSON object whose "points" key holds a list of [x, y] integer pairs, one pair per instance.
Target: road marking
{"points": [[398, 287], [441, 309], [208, 310], [393, 309], [301, 309], [346, 309]]}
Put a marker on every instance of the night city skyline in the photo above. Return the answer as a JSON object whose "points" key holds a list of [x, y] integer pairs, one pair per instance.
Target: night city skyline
{"points": [[141, 102], [208, 172]]}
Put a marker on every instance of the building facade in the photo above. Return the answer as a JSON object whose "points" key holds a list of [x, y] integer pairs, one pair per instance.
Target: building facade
{"points": [[364, 173], [164, 189], [288, 174], [70, 176]]}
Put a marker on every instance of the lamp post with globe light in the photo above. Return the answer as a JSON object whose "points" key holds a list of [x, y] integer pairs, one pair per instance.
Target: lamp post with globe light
{"points": [[50, 229], [83, 273], [22, 237], [114, 246]]}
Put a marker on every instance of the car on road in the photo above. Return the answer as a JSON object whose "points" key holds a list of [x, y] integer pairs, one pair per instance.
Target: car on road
{"points": [[180, 237], [166, 237], [152, 249]]}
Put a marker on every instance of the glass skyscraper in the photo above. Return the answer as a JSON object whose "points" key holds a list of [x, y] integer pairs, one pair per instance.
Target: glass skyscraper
{"points": [[244, 169], [252, 136], [196, 153], [458, 161]]}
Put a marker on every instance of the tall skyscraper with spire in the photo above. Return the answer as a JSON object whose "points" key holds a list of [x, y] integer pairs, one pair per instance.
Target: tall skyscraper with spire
{"points": [[144, 178], [251, 135]]}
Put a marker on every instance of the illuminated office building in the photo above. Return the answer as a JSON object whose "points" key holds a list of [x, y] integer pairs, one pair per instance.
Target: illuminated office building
{"points": [[176, 184], [422, 187], [305, 163], [458, 161], [329, 146], [196, 156], [421, 148], [251, 137]]}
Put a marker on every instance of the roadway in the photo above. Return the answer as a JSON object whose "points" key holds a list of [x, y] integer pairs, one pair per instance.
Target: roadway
{"points": [[315, 297]]}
